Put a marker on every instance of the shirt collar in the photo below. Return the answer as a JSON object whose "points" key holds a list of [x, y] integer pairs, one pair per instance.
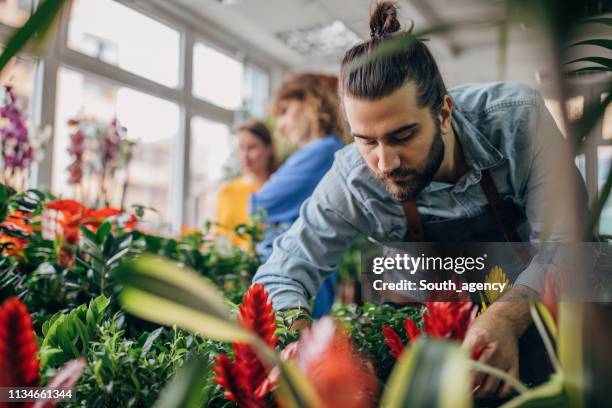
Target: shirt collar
{"points": [[479, 154]]}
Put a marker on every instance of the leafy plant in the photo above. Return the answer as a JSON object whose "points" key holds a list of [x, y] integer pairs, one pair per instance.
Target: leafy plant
{"points": [[67, 336]]}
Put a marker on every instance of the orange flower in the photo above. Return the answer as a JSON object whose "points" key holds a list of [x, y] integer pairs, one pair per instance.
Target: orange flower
{"points": [[74, 215], [15, 224]]}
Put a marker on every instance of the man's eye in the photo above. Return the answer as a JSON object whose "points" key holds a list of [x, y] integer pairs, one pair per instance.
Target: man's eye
{"points": [[404, 138], [370, 142]]}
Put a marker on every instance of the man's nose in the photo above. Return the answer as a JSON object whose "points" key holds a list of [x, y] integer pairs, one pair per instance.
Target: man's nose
{"points": [[388, 159]]}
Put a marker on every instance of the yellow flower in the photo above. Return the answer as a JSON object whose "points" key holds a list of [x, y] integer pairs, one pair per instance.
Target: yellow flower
{"points": [[497, 275]]}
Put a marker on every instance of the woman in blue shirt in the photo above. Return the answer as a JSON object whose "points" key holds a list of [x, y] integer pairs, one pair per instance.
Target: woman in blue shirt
{"points": [[307, 112]]}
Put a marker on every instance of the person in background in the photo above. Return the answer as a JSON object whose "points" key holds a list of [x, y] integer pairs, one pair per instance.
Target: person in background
{"points": [[307, 112], [256, 155]]}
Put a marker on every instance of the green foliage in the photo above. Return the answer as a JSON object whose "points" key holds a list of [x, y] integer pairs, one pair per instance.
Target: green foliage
{"points": [[125, 372], [365, 326], [68, 336]]}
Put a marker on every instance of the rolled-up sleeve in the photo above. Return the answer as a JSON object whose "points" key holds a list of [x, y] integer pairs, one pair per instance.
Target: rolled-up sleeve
{"points": [[312, 248]]}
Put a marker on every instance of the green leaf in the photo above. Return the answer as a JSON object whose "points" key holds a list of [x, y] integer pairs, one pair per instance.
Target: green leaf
{"points": [[606, 62], [159, 290], [151, 337], [549, 394], [103, 231], [599, 42], [186, 389], [431, 373], [37, 24], [295, 389], [571, 349], [600, 20]]}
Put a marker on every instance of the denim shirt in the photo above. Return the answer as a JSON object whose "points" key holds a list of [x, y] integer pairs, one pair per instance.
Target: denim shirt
{"points": [[501, 126]]}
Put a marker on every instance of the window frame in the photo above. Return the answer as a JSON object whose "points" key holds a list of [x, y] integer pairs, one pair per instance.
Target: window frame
{"points": [[57, 54]]}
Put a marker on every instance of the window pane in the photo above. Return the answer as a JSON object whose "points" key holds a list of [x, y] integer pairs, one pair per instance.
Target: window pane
{"points": [[118, 35], [15, 12], [217, 77], [604, 162], [256, 91], [151, 122], [209, 154]]}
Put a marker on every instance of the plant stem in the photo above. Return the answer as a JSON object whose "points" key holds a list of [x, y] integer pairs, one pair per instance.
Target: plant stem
{"points": [[537, 320], [508, 378]]}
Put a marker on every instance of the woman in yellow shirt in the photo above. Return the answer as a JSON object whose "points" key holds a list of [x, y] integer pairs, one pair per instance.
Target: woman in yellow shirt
{"points": [[256, 155]]}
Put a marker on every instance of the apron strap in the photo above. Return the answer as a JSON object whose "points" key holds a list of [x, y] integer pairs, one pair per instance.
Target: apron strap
{"points": [[497, 206], [415, 231], [413, 222]]}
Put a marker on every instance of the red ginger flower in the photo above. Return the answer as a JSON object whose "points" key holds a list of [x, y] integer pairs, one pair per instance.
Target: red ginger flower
{"points": [[245, 379], [18, 361], [443, 320], [393, 341], [448, 320]]}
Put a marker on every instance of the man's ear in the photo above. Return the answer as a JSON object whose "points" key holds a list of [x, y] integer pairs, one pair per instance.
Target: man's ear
{"points": [[446, 114]]}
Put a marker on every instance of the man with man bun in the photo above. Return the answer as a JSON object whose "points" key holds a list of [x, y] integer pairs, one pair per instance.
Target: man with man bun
{"points": [[431, 164]]}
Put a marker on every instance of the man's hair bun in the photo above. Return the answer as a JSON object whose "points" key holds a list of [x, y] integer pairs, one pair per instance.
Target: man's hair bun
{"points": [[383, 20]]}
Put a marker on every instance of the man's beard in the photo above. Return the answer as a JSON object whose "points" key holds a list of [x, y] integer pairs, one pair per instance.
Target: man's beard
{"points": [[422, 175]]}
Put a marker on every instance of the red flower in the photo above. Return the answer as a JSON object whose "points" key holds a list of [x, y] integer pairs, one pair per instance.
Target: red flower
{"points": [[245, 379], [393, 340], [257, 314], [443, 320], [448, 320], [73, 216], [18, 362], [412, 330]]}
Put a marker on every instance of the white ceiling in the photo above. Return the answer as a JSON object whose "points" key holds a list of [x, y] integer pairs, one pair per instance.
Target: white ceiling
{"points": [[468, 55]]}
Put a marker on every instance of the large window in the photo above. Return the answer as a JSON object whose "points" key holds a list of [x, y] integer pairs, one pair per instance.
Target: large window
{"points": [[118, 35], [209, 166], [152, 123], [131, 61]]}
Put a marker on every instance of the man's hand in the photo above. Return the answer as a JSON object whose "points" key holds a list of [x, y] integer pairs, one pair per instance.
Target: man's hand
{"points": [[300, 324], [496, 333], [499, 348]]}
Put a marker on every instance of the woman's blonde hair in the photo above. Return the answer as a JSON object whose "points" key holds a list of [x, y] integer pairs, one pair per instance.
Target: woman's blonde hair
{"points": [[319, 91]]}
